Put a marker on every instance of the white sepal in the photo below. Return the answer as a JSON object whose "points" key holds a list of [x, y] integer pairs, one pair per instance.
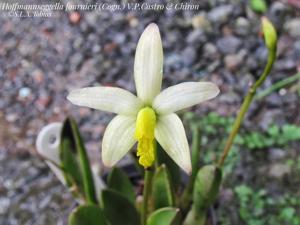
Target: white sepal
{"points": [[148, 64], [110, 99], [170, 134], [118, 139], [184, 95]]}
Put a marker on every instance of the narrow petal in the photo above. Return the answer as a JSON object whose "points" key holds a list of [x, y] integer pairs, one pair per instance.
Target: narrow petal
{"points": [[184, 95], [110, 99], [118, 139], [148, 64], [170, 134]]}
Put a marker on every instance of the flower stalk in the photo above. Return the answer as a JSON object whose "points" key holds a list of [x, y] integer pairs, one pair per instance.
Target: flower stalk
{"points": [[271, 43], [146, 194]]}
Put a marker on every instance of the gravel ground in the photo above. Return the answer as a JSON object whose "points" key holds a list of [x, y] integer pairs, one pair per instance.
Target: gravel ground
{"points": [[41, 59]]}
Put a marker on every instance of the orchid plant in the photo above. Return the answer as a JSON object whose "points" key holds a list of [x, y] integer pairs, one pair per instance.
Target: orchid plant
{"points": [[149, 120]]}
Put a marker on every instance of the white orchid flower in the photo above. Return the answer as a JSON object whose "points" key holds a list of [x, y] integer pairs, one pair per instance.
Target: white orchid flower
{"points": [[149, 115], [47, 145]]}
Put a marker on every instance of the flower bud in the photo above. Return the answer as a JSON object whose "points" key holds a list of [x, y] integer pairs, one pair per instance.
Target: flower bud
{"points": [[206, 187], [269, 32]]}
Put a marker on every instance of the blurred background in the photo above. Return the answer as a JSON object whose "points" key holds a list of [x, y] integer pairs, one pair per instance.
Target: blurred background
{"points": [[41, 59]]}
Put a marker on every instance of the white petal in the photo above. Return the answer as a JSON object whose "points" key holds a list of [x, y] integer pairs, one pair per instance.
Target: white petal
{"points": [[170, 134], [184, 95], [109, 99], [118, 139], [47, 145], [148, 64]]}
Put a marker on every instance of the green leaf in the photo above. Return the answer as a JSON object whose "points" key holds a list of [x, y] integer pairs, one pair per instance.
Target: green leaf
{"points": [[165, 216], [259, 6], [119, 181], [118, 209], [163, 195], [75, 162], [69, 159], [244, 193], [87, 215], [163, 158], [273, 131], [287, 213], [291, 132], [206, 187]]}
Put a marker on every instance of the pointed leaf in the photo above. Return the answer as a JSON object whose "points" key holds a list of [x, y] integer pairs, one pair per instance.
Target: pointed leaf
{"points": [[118, 209], [69, 160], [163, 195], [119, 181], [165, 216], [75, 162], [87, 215]]}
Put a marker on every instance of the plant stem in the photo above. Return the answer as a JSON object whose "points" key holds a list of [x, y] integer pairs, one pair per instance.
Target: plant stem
{"points": [[196, 144], [278, 85], [146, 194], [245, 106]]}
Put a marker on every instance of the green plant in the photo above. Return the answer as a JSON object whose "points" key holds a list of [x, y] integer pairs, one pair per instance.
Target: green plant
{"points": [[149, 120], [275, 135], [259, 208]]}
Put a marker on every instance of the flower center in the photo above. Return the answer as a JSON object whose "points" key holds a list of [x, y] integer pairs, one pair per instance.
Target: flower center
{"points": [[144, 134]]}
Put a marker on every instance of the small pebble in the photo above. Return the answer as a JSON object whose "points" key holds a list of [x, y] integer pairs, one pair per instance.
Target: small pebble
{"points": [[293, 27], [229, 44], [74, 17], [242, 26], [24, 92], [220, 14]]}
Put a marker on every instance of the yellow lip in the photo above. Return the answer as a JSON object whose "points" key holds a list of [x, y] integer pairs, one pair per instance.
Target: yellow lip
{"points": [[144, 134]]}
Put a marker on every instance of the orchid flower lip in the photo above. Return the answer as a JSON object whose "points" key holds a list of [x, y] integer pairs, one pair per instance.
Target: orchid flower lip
{"points": [[144, 134], [119, 136]]}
